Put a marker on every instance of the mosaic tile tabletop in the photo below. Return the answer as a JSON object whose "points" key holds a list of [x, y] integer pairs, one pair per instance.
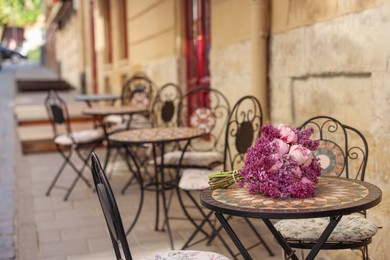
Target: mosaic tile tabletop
{"points": [[153, 135], [332, 194], [111, 110]]}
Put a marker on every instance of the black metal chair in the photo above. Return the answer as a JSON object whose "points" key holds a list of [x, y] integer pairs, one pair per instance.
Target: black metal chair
{"points": [[68, 141], [115, 226], [165, 106], [343, 152], [163, 114], [242, 131], [201, 108], [137, 91]]}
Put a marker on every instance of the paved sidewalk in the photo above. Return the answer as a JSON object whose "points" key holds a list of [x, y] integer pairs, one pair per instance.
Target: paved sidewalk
{"points": [[7, 164], [10, 155]]}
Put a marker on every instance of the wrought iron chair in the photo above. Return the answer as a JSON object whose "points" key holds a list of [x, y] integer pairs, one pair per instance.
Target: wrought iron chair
{"points": [[137, 91], [165, 106], [242, 131], [163, 114], [115, 226], [201, 108], [343, 152], [68, 141]]}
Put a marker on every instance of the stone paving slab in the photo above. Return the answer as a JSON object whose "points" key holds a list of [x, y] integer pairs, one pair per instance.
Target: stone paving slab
{"points": [[7, 163]]}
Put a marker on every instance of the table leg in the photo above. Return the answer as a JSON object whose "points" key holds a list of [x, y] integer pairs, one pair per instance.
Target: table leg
{"points": [[157, 188], [233, 236], [162, 190], [334, 220], [281, 240], [138, 176]]}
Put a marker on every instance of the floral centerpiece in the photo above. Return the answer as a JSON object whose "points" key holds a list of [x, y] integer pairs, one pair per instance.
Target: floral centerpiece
{"points": [[280, 164]]}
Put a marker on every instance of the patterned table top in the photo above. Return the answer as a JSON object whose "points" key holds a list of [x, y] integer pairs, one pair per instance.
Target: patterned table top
{"points": [[334, 196], [96, 97], [111, 110], [156, 135]]}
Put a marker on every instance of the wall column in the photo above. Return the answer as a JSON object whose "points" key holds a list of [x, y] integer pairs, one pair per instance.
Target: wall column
{"points": [[260, 10]]}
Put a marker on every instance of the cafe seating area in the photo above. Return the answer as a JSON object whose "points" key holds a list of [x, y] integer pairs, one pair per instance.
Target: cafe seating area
{"points": [[176, 139]]}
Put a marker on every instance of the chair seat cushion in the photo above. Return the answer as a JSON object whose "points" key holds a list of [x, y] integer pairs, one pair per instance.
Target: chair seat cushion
{"points": [[350, 228], [192, 159], [80, 137], [115, 119], [133, 125], [187, 255], [194, 179]]}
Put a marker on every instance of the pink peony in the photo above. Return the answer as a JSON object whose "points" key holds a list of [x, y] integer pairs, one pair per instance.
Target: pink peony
{"points": [[287, 134], [278, 162], [301, 154], [306, 181], [282, 147]]}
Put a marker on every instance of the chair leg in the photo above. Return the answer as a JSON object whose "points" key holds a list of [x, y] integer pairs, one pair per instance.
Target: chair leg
{"points": [[250, 224], [137, 176], [108, 154], [365, 253], [79, 172], [54, 181], [199, 228], [259, 237], [186, 213]]}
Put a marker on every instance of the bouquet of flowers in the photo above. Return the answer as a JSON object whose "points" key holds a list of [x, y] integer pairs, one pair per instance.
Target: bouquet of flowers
{"points": [[280, 164]]}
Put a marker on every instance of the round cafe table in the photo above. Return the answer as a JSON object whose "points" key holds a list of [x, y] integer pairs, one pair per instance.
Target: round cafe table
{"points": [[91, 98], [158, 138], [100, 112], [335, 197]]}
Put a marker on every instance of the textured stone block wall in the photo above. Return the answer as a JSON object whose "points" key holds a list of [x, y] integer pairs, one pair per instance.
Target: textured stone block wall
{"points": [[340, 68], [230, 68]]}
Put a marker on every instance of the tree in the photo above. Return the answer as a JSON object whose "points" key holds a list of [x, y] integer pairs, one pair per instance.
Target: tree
{"points": [[19, 12]]}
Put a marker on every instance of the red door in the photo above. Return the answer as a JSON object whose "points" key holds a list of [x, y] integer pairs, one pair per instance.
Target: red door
{"points": [[197, 42]]}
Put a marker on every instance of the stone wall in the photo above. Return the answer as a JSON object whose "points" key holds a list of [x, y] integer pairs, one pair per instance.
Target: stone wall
{"points": [[230, 68], [339, 67], [68, 52]]}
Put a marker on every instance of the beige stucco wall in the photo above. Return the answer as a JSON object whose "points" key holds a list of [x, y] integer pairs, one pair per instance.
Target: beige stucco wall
{"points": [[155, 39], [230, 63], [335, 63]]}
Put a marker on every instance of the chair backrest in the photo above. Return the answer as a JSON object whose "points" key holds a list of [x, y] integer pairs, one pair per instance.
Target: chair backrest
{"points": [[343, 150], [110, 210], [138, 91], [58, 114], [242, 131], [165, 106], [207, 109]]}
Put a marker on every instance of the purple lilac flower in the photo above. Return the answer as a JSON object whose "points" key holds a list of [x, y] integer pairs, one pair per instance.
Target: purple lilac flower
{"points": [[275, 174]]}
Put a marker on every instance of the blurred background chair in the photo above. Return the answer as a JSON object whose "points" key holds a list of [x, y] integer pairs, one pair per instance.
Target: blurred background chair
{"points": [[163, 114], [165, 106], [241, 132], [68, 141], [137, 91], [115, 226], [207, 109], [343, 152]]}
